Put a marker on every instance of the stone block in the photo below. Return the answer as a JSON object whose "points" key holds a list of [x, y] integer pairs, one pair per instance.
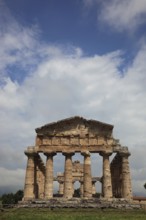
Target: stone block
{"points": [[93, 141], [84, 141], [46, 141], [65, 141], [74, 140], [55, 140], [101, 140]]}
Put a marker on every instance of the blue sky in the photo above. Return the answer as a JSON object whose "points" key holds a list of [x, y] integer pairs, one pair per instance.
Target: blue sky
{"points": [[78, 23], [64, 58]]}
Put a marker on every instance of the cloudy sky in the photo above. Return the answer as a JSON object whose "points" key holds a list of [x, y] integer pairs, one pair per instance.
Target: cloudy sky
{"points": [[71, 57]]}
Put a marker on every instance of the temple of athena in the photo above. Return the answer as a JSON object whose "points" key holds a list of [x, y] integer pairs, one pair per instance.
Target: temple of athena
{"points": [[69, 137]]}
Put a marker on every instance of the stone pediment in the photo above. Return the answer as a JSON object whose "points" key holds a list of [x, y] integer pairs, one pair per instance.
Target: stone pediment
{"points": [[76, 126]]}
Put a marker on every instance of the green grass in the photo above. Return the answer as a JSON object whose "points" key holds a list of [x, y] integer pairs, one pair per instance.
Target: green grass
{"points": [[71, 214]]}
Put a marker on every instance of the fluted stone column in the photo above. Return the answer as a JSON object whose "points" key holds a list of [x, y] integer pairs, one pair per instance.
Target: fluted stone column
{"points": [[93, 188], [107, 183], [40, 177], [119, 189], [102, 194], [61, 187], [40, 180], [49, 176], [73, 189], [87, 187], [81, 189], [29, 188], [68, 175], [126, 179]]}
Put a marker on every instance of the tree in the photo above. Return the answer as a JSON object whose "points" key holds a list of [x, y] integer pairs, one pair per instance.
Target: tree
{"points": [[12, 198], [18, 196], [8, 199]]}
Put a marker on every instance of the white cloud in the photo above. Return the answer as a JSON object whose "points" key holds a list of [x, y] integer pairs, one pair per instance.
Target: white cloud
{"points": [[124, 15], [88, 86], [18, 44], [62, 83]]}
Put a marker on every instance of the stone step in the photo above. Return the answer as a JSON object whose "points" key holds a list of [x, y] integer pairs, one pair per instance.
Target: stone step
{"points": [[80, 203]]}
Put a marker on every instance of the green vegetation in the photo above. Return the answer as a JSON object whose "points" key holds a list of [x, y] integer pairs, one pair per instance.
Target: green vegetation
{"points": [[11, 198], [71, 214]]}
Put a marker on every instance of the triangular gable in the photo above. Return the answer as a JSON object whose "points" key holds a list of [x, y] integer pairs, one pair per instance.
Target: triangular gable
{"points": [[76, 126]]}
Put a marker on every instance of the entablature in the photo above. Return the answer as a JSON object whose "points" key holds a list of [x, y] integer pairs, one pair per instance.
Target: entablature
{"points": [[74, 140]]}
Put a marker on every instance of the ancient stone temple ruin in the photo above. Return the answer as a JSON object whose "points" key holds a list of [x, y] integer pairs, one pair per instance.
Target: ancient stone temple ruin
{"points": [[71, 136], [77, 175]]}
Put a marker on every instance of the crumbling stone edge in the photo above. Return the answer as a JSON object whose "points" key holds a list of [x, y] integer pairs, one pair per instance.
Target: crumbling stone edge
{"points": [[80, 203]]}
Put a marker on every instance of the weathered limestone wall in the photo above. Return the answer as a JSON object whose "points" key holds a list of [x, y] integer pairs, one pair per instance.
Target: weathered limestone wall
{"points": [[121, 180]]}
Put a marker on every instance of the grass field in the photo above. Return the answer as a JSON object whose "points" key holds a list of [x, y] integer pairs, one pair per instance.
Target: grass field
{"points": [[71, 214]]}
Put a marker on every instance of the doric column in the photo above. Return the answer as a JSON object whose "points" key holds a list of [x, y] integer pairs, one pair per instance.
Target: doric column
{"points": [[93, 188], [49, 176], [41, 170], [61, 187], [73, 190], [106, 181], [81, 189], [68, 175], [126, 179], [30, 177], [87, 187], [102, 195]]}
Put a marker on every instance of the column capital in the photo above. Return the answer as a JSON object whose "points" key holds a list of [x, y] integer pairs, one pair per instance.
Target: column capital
{"points": [[68, 154], [30, 149], [124, 154], [50, 154], [85, 153], [105, 154], [30, 153], [60, 181]]}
